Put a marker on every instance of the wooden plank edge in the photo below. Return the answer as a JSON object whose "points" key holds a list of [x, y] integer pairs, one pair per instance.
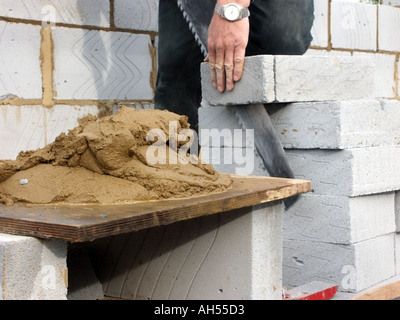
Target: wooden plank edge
{"points": [[386, 292], [90, 233], [38, 229]]}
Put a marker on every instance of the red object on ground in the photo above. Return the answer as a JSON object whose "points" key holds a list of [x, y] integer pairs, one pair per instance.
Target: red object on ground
{"points": [[315, 290]]}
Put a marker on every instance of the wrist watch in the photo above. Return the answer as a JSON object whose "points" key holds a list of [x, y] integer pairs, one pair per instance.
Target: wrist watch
{"points": [[232, 12]]}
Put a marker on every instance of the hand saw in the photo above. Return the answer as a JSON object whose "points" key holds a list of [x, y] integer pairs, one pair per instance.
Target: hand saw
{"points": [[198, 14]]}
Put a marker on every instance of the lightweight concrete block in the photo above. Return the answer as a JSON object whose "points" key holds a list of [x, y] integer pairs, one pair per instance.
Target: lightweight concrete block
{"points": [[256, 85], [99, 65], [235, 255], [295, 79], [337, 124], [353, 25], [321, 77], [136, 14], [352, 172], [388, 20], [20, 73], [338, 219], [352, 267], [88, 12], [24, 128], [32, 269]]}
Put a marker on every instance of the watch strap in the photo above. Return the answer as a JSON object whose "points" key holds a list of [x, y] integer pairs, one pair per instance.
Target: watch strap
{"points": [[244, 12]]}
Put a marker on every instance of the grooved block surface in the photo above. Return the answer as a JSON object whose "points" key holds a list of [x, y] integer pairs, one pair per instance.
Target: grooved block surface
{"points": [[98, 65], [233, 256]]}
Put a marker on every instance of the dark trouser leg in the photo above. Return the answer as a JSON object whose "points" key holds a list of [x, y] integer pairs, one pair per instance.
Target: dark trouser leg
{"points": [[280, 27], [179, 57]]}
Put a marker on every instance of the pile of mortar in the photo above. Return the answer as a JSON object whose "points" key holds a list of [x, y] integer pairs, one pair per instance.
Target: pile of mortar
{"points": [[111, 160]]}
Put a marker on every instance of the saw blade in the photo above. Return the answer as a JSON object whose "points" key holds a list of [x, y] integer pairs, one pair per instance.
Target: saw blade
{"points": [[198, 15]]}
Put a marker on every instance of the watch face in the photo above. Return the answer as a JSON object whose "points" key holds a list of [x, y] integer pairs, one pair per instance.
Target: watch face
{"points": [[232, 12]]}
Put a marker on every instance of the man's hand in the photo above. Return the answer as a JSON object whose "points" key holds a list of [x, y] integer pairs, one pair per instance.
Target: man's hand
{"points": [[227, 42]]}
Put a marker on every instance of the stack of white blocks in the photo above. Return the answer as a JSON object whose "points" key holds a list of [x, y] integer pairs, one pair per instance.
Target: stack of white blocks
{"points": [[343, 140]]}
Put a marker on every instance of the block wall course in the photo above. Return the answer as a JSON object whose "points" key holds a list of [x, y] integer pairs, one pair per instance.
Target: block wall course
{"points": [[319, 125], [294, 79]]}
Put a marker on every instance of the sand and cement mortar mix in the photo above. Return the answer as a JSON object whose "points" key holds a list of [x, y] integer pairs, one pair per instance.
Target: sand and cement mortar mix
{"points": [[108, 161]]}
